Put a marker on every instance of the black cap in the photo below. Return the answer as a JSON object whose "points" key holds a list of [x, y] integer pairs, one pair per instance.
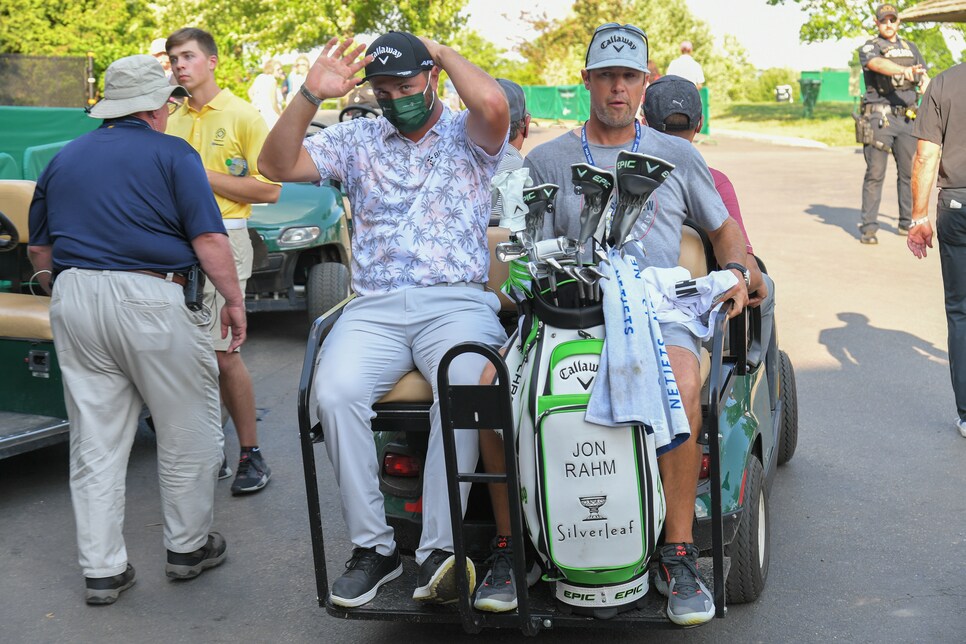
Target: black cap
{"points": [[672, 95], [884, 10], [398, 54]]}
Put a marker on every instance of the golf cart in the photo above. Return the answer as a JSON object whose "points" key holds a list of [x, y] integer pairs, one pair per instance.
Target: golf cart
{"points": [[301, 248], [32, 411], [749, 406]]}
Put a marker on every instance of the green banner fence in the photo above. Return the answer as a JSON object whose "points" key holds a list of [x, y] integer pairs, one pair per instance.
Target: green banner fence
{"points": [[572, 103]]}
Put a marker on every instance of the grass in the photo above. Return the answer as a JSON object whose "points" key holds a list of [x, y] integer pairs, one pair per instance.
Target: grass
{"points": [[831, 124]]}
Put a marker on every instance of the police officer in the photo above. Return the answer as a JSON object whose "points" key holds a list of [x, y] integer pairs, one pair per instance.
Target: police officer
{"points": [[894, 75]]}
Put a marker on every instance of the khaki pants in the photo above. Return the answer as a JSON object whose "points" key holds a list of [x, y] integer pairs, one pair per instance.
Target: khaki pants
{"points": [[241, 250], [124, 339]]}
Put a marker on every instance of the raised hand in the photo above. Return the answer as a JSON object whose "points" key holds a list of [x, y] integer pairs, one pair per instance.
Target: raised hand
{"points": [[333, 73]]}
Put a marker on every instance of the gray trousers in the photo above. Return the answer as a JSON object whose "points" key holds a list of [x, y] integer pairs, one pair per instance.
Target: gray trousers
{"points": [[377, 340], [898, 136], [951, 230], [125, 339]]}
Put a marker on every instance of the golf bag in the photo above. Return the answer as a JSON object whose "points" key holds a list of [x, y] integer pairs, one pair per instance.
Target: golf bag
{"points": [[591, 495]]}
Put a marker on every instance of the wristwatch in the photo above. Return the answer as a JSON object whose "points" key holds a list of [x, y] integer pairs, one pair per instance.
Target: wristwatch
{"points": [[741, 269]]}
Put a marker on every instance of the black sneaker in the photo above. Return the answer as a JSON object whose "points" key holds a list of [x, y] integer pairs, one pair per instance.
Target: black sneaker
{"points": [[366, 571], [689, 602], [253, 473], [437, 578], [224, 471], [498, 592], [189, 565], [104, 590]]}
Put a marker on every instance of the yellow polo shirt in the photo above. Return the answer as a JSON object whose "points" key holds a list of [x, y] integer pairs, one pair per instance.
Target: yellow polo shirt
{"points": [[225, 128]]}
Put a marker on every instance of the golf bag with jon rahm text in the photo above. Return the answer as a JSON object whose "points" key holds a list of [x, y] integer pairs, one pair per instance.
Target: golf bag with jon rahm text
{"points": [[591, 494]]}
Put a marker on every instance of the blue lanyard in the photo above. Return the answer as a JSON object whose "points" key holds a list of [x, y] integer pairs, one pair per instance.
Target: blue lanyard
{"points": [[583, 140]]}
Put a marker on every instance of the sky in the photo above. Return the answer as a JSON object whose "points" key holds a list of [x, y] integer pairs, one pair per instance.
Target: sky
{"points": [[769, 34]]}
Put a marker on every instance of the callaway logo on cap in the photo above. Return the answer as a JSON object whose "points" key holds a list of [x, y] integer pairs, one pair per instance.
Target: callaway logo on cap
{"points": [[399, 54], [615, 45]]}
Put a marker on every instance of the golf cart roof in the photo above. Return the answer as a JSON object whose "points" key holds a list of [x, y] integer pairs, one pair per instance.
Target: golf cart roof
{"points": [[936, 11]]}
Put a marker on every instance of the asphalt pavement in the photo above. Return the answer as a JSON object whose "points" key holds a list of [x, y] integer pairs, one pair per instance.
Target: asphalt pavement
{"points": [[868, 529]]}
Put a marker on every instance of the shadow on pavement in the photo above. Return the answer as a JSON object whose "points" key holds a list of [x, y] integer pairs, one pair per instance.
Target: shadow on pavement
{"points": [[860, 346], [848, 219]]}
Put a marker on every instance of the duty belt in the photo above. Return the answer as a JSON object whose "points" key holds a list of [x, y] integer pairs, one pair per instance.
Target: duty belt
{"points": [[898, 110]]}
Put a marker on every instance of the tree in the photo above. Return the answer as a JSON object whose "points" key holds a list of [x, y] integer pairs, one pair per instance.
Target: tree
{"points": [[556, 56], [109, 28], [835, 19], [246, 31]]}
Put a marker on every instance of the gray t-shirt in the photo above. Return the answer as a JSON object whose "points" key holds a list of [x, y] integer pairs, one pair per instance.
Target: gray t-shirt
{"points": [[688, 191]]}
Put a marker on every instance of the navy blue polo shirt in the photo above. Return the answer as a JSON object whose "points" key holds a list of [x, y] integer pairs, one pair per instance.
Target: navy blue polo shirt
{"points": [[123, 197]]}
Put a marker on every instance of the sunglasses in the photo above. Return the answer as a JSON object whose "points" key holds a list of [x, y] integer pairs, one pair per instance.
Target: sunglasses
{"points": [[173, 105], [616, 25], [888, 21]]}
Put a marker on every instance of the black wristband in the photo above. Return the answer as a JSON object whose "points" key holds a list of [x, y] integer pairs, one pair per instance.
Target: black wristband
{"points": [[310, 97], [741, 269]]}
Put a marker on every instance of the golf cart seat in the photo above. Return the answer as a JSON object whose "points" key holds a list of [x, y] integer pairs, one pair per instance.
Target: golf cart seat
{"points": [[413, 387], [21, 316], [413, 391], [25, 316]]}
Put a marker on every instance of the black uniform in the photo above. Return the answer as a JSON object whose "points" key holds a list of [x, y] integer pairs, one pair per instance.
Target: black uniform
{"points": [[888, 107], [943, 122]]}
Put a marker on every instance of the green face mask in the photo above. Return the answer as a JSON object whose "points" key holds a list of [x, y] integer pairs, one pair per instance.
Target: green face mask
{"points": [[409, 113]]}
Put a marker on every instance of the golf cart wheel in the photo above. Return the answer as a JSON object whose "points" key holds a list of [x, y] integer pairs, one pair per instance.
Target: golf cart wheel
{"points": [[750, 551], [328, 284], [788, 395], [9, 236]]}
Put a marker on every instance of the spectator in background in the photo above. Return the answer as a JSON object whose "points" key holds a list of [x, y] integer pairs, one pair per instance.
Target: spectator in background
{"points": [[296, 77], [686, 66], [519, 128], [264, 92], [498, 591], [653, 72], [674, 107], [157, 50], [223, 127]]}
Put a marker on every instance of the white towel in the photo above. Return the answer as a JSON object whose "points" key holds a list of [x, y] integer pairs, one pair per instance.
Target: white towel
{"points": [[678, 298], [638, 377]]}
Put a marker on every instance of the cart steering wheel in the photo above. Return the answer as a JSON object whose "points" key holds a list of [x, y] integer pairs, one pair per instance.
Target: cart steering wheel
{"points": [[9, 236], [357, 111]]}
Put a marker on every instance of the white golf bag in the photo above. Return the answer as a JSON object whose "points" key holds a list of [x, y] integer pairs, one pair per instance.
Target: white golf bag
{"points": [[591, 495]]}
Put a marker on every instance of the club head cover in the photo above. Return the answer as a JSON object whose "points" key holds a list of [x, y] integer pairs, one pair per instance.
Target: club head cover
{"points": [[638, 175], [597, 187], [539, 201]]}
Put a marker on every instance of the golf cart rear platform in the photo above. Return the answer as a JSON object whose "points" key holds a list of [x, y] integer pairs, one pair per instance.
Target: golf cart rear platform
{"points": [[394, 602]]}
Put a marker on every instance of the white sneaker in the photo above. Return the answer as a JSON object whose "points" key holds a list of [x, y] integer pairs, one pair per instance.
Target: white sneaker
{"points": [[961, 425]]}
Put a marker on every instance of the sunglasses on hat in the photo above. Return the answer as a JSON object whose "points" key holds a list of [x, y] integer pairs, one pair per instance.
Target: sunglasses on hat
{"points": [[616, 25]]}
